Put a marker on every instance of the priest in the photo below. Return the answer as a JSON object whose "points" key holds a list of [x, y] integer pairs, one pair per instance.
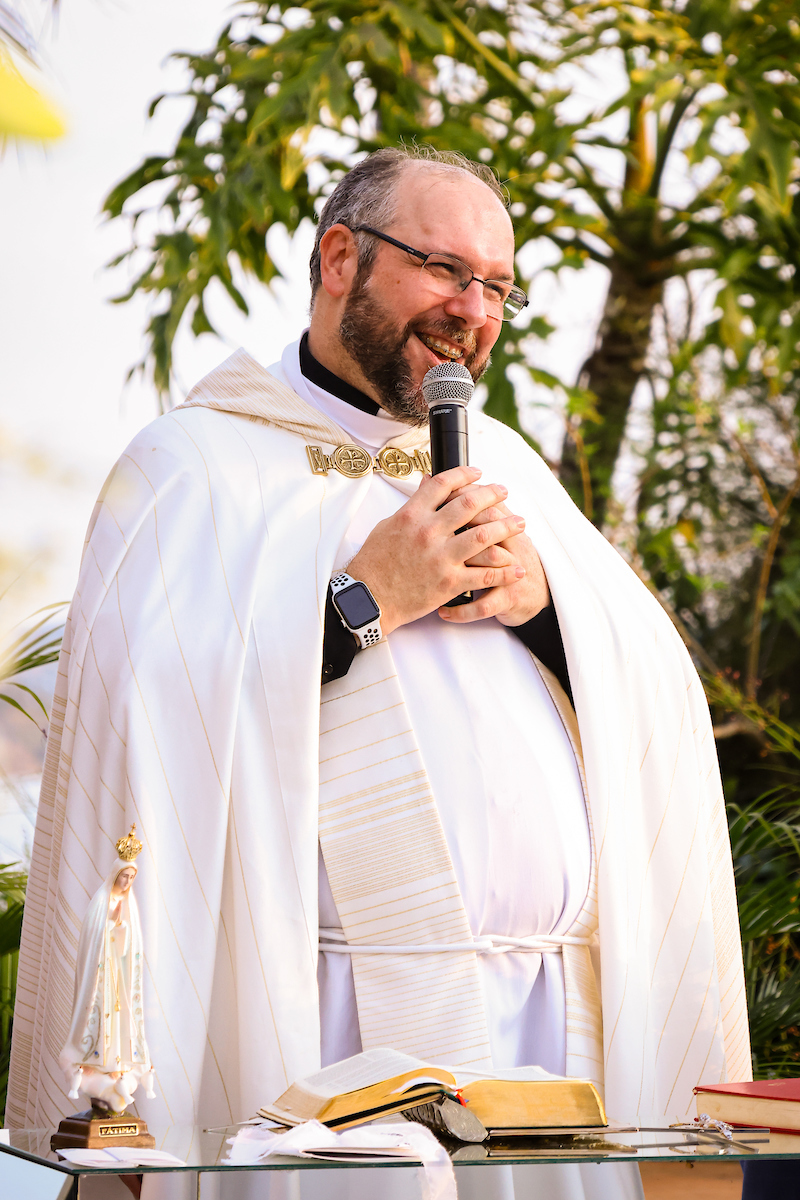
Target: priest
{"points": [[489, 835]]}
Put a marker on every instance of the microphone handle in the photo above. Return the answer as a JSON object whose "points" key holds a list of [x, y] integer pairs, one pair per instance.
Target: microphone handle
{"points": [[449, 437], [450, 448]]}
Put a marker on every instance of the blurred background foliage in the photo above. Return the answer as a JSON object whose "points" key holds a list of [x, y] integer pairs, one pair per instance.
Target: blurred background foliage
{"points": [[36, 646], [23, 655], [12, 904], [656, 141]]}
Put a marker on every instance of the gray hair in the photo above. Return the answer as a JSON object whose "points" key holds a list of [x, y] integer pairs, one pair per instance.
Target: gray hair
{"points": [[367, 196]]}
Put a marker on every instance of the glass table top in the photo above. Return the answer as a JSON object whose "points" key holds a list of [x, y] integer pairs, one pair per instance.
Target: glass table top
{"points": [[206, 1150]]}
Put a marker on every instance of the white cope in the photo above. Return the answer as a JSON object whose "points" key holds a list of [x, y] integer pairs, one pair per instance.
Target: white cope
{"points": [[187, 700]]}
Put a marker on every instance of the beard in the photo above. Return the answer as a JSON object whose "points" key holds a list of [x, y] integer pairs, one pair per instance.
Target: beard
{"points": [[369, 336]]}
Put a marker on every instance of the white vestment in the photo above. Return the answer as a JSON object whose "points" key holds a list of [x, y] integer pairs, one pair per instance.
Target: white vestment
{"points": [[188, 701]]}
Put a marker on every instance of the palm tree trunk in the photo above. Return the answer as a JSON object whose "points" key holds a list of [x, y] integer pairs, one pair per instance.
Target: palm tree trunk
{"points": [[611, 372], [636, 286]]}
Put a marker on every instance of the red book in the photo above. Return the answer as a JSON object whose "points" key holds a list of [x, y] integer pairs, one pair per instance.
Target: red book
{"points": [[773, 1103]]}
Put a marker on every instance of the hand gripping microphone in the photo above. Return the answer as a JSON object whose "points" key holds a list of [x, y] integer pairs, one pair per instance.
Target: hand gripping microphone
{"points": [[447, 389]]}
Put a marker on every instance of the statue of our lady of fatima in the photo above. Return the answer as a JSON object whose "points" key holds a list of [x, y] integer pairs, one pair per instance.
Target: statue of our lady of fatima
{"points": [[105, 1055]]}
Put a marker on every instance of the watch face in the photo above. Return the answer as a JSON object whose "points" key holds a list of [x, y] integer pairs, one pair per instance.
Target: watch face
{"points": [[356, 605]]}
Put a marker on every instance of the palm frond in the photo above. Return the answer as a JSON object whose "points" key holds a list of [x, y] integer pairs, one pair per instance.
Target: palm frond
{"points": [[12, 907], [763, 826], [12, 884], [765, 839], [775, 1021], [11, 927], [36, 646], [768, 908]]}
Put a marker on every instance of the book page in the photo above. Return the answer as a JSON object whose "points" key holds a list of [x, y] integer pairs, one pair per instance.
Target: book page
{"points": [[144, 1156], [512, 1075], [281, 1116], [360, 1071], [417, 1082]]}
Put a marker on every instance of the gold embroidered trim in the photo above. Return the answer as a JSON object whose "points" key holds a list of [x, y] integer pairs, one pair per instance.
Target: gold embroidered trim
{"points": [[353, 461]]}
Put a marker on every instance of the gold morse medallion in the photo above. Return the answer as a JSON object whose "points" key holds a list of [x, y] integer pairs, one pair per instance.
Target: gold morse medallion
{"points": [[395, 462], [353, 461]]}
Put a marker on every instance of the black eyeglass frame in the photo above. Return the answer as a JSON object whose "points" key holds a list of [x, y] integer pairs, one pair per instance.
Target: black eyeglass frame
{"points": [[420, 254]]}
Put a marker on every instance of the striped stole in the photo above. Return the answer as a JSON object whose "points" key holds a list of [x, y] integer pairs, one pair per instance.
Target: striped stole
{"points": [[391, 874]]}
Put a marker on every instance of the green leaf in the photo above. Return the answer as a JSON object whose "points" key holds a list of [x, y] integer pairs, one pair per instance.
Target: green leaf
{"points": [[11, 927], [24, 688], [15, 704], [200, 321]]}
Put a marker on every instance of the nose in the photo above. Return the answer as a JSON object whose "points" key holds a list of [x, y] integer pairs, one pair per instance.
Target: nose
{"points": [[469, 305]]}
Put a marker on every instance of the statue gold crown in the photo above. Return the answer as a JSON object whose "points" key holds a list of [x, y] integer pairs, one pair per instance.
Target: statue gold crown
{"points": [[128, 847]]}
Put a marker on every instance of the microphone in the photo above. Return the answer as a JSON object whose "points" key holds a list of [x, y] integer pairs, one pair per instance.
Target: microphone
{"points": [[447, 389]]}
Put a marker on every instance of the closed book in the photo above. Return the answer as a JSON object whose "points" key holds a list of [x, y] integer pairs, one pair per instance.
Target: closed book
{"points": [[771, 1103]]}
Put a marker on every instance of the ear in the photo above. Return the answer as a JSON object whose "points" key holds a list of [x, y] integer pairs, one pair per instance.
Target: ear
{"points": [[338, 260]]}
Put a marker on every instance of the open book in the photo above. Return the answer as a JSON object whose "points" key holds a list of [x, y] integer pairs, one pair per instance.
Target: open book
{"points": [[383, 1081]]}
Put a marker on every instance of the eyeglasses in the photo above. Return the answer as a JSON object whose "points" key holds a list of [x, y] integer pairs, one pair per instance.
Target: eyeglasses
{"points": [[449, 277]]}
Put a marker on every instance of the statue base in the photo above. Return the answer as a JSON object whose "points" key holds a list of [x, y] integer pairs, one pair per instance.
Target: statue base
{"points": [[89, 1131]]}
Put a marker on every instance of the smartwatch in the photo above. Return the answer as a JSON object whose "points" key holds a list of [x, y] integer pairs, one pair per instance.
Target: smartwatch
{"points": [[357, 609]]}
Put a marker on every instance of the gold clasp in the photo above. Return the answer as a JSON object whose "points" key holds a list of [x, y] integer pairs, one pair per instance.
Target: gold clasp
{"points": [[354, 462], [320, 463]]}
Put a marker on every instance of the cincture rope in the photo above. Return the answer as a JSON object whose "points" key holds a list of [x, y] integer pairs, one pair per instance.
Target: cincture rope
{"points": [[332, 941]]}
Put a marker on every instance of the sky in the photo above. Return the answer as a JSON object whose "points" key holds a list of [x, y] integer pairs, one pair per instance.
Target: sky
{"points": [[65, 410]]}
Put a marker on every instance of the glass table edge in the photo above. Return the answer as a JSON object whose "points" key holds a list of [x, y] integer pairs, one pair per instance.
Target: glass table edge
{"points": [[286, 1163]]}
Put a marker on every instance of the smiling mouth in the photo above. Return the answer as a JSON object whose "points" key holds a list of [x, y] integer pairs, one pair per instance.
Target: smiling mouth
{"points": [[443, 348]]}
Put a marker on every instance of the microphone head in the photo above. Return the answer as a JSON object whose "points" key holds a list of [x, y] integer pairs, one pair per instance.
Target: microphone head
{"points": [[447, 383]]}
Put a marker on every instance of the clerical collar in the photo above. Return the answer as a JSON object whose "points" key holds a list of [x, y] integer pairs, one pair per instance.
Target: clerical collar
{"points": [[325, 379]]}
